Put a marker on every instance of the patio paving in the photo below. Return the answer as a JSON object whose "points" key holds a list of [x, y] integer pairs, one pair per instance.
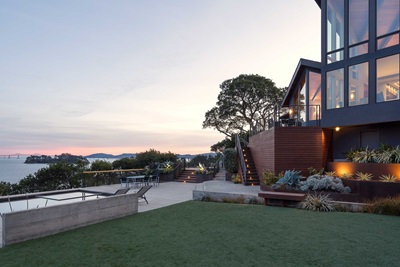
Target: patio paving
{"points": [[170, 193]]}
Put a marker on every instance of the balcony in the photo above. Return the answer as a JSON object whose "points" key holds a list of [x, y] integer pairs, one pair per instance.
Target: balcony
{"points": [[290, 116]]}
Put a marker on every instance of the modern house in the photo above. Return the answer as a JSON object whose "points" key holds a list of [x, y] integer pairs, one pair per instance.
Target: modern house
{"points": [[349, 99]]}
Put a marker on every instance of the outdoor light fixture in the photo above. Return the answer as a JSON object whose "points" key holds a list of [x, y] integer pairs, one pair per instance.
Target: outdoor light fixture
{"points": [[337, 129], [290, 111]]}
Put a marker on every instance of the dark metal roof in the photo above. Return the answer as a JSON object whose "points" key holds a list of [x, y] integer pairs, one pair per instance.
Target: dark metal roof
{"points": [[302, 66]]}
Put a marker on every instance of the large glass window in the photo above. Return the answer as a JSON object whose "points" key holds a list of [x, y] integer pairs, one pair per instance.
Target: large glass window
{"points": [[335, 89], [387, 80], [335, 29], [358, 27], [314, 100], [358, 84], [388, 22], [302, 99]]}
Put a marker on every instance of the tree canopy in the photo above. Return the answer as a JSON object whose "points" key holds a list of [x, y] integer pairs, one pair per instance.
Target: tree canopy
{"points": [[242, 102]]}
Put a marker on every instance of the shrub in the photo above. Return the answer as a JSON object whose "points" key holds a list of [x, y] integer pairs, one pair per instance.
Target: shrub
{"points": [[230, 160], [167, 167], [236, 178], [313, 171], [385, 154], [318, 203], [385, 206], [269, 177], [390, 178], [324, 182], [363, 176]]}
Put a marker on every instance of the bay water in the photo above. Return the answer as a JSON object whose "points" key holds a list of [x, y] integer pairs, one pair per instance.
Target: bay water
{"points": [[14, 169]]}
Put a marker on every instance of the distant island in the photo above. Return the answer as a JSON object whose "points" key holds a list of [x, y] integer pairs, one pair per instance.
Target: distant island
{"points": [[57, 158], [110, 156]]}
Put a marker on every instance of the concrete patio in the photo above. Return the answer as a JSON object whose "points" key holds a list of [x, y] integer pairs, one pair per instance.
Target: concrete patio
{"points": [[170, 193]]}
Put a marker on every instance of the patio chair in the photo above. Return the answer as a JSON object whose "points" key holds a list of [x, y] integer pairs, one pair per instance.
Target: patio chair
{"points": [[154, 179], [142, 191], [121, 191], [125, 181]]}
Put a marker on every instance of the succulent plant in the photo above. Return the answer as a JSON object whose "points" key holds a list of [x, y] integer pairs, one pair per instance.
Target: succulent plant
{"points": [[363, 176], [390, 178], [318, 202]]}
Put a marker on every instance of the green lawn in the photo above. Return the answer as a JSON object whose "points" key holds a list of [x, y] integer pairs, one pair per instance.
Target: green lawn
{"points": [[218, 234]]}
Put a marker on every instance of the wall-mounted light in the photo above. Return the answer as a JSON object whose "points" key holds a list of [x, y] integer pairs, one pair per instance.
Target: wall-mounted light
{"points": [[337, 129], [290, 111]]}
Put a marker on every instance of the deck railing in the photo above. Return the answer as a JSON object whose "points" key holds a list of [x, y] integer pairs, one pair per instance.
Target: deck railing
{"points": [[242, 162], [290, 116]]}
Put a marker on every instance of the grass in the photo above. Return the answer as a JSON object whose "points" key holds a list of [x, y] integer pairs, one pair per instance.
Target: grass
{"points": [[219, 234]]}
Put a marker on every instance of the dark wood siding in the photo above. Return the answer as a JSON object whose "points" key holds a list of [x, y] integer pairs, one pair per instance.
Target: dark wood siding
{"points": [[288, 148]]}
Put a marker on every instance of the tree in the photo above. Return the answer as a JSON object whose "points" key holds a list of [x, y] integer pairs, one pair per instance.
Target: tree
{"points": [[221, 145], [242, 102]]}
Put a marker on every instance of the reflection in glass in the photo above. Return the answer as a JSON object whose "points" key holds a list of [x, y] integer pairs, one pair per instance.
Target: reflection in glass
{"points": [[335, 56], [358, 21], [358, 50], [335, 89], [335, 24], [358, 84], [388, 20], [314, 100], [387, 80], [302, 99], [388, 41]]}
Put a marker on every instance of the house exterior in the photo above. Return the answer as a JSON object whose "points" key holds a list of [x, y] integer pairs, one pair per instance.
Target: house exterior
{"points": [[349, 99]]}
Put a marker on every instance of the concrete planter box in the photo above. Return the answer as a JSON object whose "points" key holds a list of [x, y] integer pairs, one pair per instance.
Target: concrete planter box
{"points": [[203, 177], [166, 177], [228, 176], [38, 222]]}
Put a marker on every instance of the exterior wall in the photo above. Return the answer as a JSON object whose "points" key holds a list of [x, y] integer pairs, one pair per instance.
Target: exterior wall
{"points": [[34, 223], [288, 148], [350, 137]]}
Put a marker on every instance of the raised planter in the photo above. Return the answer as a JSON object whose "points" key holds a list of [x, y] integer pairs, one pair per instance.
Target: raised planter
{"points": [[228, 176], [368, 190], [200, 177], [166, 177], [376, 169]]}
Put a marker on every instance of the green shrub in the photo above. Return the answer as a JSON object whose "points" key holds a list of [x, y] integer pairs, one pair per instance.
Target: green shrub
{"points": [[385, 154], [236, 178], [319, 202], [385, 206], [313, 171], [230, 160], [269, 178]]}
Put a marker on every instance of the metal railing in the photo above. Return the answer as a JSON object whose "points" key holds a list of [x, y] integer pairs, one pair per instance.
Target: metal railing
{"points": [[289, 116], [242, 162]]}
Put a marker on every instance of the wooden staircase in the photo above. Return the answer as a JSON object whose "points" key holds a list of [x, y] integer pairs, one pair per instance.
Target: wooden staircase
{"points": [[252, 176], [187, 176]]}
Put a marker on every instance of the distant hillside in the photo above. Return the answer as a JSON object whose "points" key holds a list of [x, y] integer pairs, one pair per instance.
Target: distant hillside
{"points": [[110, 156], [129, 155]]}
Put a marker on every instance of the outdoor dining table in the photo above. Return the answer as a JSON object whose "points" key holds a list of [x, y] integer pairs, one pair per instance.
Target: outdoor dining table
{"points": [[136, 179]]}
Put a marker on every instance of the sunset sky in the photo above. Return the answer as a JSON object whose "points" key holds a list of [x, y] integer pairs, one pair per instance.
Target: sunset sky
{"points": [[115, 76]]}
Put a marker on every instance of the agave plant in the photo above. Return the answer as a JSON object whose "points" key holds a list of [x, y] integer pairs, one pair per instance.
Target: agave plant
{"points": [[364, 176], [318, 202], [291, 179], [390, 178], [346, 175], [332, 174]]}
